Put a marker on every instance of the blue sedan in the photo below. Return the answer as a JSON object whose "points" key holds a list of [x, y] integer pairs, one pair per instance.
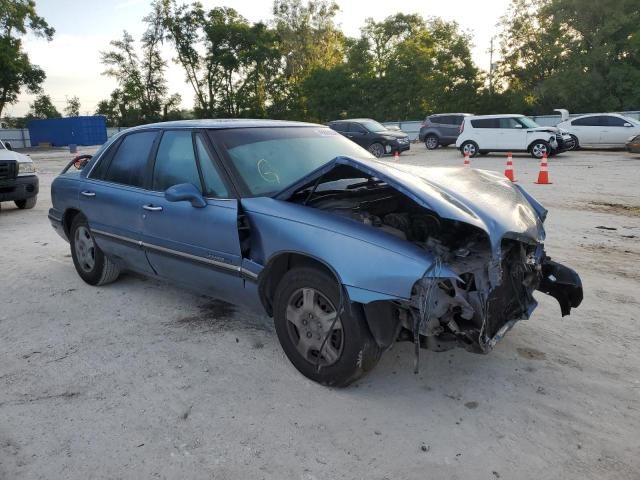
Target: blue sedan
{"points": [[348, 254]]}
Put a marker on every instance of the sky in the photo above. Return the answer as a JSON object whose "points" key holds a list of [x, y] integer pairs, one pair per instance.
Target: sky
{"points": [[85, 27]]}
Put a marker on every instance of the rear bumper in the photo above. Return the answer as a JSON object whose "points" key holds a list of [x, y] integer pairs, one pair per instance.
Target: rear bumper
{"points": [[20, 188], [55, 218]]}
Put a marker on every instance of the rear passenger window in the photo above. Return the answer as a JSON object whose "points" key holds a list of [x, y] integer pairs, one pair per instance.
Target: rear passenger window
{"points": [[129, 163], [175, 162], [595, 121], [486, 123]]}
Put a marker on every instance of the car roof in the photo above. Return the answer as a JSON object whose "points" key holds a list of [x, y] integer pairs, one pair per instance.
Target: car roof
{"points": [[438, 114], [353, 120], [505, 115], [225, 123], [586, 115]]}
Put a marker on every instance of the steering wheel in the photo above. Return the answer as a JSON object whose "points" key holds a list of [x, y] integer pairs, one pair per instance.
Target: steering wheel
{"points": [[265, 170]]}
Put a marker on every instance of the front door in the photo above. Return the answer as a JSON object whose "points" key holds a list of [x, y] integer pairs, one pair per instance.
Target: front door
{"points": [[198, 247], [111, 200], [359, 134], [512, 135]]}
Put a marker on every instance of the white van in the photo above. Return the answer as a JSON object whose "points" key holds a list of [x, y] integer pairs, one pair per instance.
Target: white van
{"points": [[481, 134]]}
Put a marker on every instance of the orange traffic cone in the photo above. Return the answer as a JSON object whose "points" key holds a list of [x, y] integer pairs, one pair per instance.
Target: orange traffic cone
{"points": [[508, 172], [467, 160], [543, 175], [396, 155]]}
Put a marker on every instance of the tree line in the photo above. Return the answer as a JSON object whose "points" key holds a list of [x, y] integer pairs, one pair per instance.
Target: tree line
{"points": [[575, 54]]}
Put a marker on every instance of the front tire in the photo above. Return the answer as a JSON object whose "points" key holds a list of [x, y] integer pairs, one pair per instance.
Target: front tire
{"points": [[431, 142], [93, 266], [376, 149], [326, 348], [469, 147], [539, 148], [27, 204]]}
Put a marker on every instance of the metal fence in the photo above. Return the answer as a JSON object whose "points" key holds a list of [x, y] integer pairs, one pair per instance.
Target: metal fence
{"points": [[17, 137]]}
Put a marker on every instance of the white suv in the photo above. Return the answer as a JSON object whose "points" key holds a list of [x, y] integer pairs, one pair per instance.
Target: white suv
{"points": [[482, 134]]}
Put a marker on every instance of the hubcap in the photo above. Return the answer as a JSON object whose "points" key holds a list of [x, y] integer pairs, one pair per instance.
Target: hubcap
{"points": [[311, 318], [432, 142], [85, 249], [469, 148], [376, 149], [539, 149]]}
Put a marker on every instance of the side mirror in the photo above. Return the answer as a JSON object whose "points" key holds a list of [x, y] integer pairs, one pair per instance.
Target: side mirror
{"points": [[517, 125], [185, 192], [8, 146], [626, 125]]}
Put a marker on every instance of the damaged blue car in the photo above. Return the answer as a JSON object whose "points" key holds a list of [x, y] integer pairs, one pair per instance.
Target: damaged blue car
{"points": [[348, 254]]}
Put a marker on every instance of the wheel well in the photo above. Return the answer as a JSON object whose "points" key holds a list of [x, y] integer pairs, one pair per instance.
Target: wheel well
{"points": [[536, 141], [67, 219], [277, 267]]}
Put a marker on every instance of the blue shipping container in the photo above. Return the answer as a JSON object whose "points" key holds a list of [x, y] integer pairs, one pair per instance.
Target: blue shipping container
{"points": [[60, 132]]}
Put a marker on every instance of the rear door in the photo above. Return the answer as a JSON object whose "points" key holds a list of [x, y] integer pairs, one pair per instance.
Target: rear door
{"points": [[588, 130], [112, 196], [485, 133], [449, 127], [198, 247]]}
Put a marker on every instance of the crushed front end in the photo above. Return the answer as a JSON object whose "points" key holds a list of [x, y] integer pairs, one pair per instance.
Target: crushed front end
{"points": [[489, 296]]}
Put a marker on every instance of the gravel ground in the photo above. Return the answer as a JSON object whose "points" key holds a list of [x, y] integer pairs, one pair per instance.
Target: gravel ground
{"points": [[141, 380]]}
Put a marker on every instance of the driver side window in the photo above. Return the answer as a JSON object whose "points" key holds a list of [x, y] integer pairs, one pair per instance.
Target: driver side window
{"points": [[175, 161]]}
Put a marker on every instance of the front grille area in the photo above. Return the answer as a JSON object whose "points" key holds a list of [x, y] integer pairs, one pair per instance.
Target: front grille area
{"points": [[8, 169]]}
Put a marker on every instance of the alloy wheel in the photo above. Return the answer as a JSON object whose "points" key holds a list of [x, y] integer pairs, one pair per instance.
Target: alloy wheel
{"points": [[314, 328]]}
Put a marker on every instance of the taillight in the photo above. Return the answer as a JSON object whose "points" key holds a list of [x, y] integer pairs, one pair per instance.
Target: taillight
{"points": [[425, 122], [462, 126]]}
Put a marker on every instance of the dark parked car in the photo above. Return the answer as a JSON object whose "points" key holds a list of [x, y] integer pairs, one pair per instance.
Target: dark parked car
{"points": [[18, 180], [373, 136], [347, 254], [442, 129], [633, 144]]}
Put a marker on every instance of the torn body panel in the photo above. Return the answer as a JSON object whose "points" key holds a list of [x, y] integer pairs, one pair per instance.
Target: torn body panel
{"points": [[468, 242]]}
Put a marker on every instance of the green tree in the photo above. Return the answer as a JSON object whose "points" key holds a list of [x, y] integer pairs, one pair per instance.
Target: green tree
{"points": [[17, 17], [232, 66], [73, 107], [42, 107], [576, 54]]}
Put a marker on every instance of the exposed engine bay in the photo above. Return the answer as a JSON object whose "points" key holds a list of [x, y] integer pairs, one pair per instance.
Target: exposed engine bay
{"points": [[472, 311]]}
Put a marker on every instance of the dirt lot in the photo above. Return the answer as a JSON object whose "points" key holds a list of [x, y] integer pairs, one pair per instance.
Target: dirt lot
{"points": [[141, 380]]}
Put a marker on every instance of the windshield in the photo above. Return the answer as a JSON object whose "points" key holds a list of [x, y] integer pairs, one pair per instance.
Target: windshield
{"points": [[267, 160], [373, 126], [527, 122]]}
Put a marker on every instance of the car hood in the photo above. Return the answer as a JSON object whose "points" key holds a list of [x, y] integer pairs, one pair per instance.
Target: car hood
{"points": [[393, 133], [485, 199], [11, 155], [544, 129]]}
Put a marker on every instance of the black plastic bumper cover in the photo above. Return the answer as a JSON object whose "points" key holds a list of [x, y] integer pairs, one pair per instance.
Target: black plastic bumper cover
{"points": [[19, 188], [563, 284]]}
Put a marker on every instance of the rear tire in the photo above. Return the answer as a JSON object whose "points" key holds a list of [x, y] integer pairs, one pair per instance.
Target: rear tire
{"points": [[27, 204], [304, 302], [469, 147], [431, 142], [93, 266]]}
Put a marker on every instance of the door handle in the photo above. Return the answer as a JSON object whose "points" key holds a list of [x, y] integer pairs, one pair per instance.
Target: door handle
{"points": [[152, 208], [87, 193]]}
